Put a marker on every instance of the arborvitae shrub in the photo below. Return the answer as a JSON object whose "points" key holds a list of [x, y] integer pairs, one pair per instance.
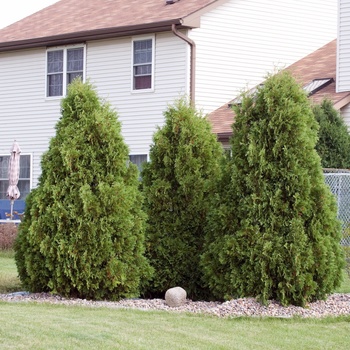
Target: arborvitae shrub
{"points": [[274, 234], [83, 229], [333, 144], [178, 184]]}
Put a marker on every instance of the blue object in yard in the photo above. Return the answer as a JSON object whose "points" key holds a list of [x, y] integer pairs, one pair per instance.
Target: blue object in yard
{"points": [[5, 207]]}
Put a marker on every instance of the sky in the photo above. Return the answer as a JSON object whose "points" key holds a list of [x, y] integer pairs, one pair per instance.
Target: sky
{"points": [[14, 10]]}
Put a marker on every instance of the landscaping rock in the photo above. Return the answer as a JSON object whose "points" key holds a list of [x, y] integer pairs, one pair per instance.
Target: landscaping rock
{"points": [[335, 305], [175, 297]]}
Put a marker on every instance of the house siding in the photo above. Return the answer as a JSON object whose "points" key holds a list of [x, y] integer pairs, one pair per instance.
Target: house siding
{"points": [[109, 68], [25, 114], [343, 47], [238, 43], [263, 35], [29, 117], [345, 113]]}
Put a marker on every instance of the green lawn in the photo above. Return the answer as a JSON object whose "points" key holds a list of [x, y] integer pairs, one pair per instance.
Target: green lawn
{"points": [[9, 281], [345, 286], [41, 326], [46, 326]]}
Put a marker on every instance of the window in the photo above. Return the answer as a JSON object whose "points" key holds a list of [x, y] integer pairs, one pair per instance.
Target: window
{"points": [[250, 93], [138, 160], [24, 175], [143, 64], [316, 85], [63, 66]]}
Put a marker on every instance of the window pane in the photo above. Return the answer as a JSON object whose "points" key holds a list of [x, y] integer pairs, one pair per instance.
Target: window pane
{"points": [[24, 176], [138, 160], [142, 64], [4, 166], [55, 85], [24, 188], [60, 71], [143, 51], [72, 76], [24, 163], [142, 82], [54, 70], [55, 61], [3, 188], [75, 59], [143, 70]]}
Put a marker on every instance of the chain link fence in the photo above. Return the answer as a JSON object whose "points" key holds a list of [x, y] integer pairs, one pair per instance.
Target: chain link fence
{"points": [[339, 182]]}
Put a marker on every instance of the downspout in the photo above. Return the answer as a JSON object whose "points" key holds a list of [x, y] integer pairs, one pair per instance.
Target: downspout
{"points": [[192, 63]]}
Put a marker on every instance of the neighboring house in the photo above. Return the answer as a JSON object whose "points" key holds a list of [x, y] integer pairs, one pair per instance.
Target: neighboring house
{"points": [[141, 56], [324, 74], [317, 74]]}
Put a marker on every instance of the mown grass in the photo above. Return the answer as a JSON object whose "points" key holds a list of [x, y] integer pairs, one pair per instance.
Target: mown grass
{"points": [[47, 326], [42, 326], [345, 286], [9, 281]]}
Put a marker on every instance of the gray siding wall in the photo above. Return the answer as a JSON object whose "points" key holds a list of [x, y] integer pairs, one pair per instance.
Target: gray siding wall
{"points": [[25, 114], [345, 113], [343, 47], [109, 67], [238, 43], [29, 117], [241, 41]]}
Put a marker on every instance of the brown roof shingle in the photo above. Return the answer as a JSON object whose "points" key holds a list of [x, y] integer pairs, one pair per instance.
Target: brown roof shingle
{"points": [[319, 64], [69, 17], [322, 63]]}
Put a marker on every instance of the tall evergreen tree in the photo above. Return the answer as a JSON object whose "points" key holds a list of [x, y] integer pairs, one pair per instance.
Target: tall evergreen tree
{"points": [[178, 185], [83, 230], [333, 144], [275, 234]]}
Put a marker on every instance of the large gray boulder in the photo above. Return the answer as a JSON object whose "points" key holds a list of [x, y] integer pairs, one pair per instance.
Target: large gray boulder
{"points": [[175, 297]]}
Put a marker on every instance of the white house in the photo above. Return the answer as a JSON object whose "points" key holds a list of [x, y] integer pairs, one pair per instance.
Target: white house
{"points": [[324, 74], [343, 53], [317, 74], [141, 56]]}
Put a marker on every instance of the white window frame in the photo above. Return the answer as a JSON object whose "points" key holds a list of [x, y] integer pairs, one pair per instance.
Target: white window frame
{"points": [[64, 49], [142, 38], [30, 170]]}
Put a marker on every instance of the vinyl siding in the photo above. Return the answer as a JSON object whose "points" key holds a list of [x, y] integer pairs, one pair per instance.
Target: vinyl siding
{"points": [[25, 114], [345, 113], [29, 117], [242, 40], [109, 66], [343, 49], [237, 44]]}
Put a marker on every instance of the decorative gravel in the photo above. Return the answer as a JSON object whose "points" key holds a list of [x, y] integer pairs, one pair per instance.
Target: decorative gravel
{"points": [[335, 305]]}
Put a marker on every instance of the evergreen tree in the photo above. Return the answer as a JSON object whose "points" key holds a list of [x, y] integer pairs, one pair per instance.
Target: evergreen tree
{"points": [[333, 144], [83, 230], [178, 184], [275, 234]]}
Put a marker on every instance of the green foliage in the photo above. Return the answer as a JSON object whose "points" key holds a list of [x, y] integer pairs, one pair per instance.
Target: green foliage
{"points": [[333, 145], [274, 234], [178, 184], [83, 230]]}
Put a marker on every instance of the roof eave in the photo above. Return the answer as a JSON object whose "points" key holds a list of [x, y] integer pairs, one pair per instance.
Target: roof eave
{"points": [[342, 102], [71, 38], [193, 19]]}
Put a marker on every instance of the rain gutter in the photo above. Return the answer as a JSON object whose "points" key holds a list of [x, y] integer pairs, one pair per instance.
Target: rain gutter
{"points": [[192, 63], [79, 37]]}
